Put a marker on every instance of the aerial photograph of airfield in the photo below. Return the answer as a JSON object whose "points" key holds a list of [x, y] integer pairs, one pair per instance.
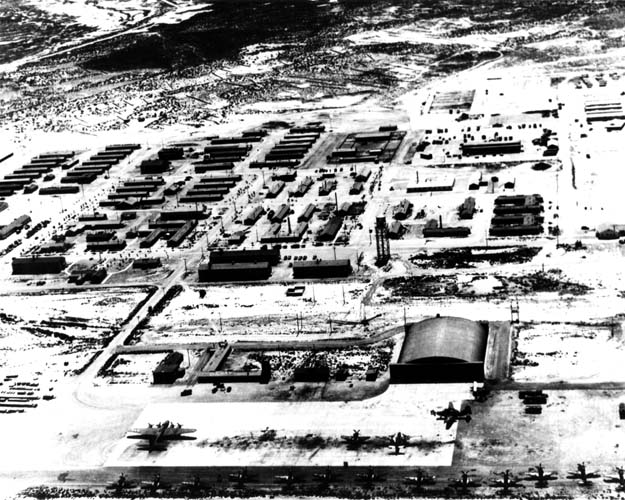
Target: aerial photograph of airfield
{"points": [[297, 248]]}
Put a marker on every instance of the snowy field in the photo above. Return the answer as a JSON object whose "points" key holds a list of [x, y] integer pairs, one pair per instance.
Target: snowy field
{"points": [[317, 426], [57, 332], [111, 15], [569, 353], [253, 312]]}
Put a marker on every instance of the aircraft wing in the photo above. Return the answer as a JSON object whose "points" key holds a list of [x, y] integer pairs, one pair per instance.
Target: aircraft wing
{"points": [[184, 430], [141, 436], [146, 431]]}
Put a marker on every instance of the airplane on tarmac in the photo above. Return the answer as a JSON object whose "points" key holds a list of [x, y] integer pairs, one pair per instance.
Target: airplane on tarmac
{"points": [[356, 440], [288, 478], [326, 476], [619, 478], [450, 415], [507, 481], [369, 477], [194, 485], [241, 477], [583, 475], [122, 484], [156, 435], [155, 485], [420, 479], [398, 440], [465, 481], [539, 475]]}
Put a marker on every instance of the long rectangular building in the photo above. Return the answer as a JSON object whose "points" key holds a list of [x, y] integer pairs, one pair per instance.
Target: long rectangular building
{"points": [[312, 269], [271, 255], [53, 264], [490, 148], [234, 271]]}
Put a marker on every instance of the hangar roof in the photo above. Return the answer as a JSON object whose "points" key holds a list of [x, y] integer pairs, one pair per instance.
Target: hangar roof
{"points": [[444, 339]]}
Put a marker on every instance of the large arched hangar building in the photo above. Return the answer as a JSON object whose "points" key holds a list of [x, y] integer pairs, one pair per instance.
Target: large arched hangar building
{"points": [[442, 349]]}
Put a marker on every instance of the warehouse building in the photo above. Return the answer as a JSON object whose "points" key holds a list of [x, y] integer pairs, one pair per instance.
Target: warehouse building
{"points": [[147, 263], [356, 188], [363, 174], [435, 229], [264, 254], [396, 230], [253, 214], [171, 154], [467, 209], [184, 214], [52, 264], [149, 167], [234, 271], [327, 186], [182, 233], [275, 189], [442, 349], [331, 229], [113, 245], [281, 213], [516, 204], [402, 210], [16, 225], [303, 187], [314, 269], [490, 148], [307, 214], [168, 370]]}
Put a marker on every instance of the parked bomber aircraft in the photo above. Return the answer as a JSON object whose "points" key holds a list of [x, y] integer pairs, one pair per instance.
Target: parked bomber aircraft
{"points": [[450, 415], [619, 478], [582, 474], [241, 477], [506, 482], [195, 485], [155, 435], [122, 483], [539, 475], [465, 481], [155, 485], [326, 476], [398, 440], [420, 479], [288, 478], [369, 477], [356, 439]]}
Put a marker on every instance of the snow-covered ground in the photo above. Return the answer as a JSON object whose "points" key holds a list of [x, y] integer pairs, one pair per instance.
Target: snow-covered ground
{"points": [[256, 312], [111, 15], [570, 353], [56, 332]]}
